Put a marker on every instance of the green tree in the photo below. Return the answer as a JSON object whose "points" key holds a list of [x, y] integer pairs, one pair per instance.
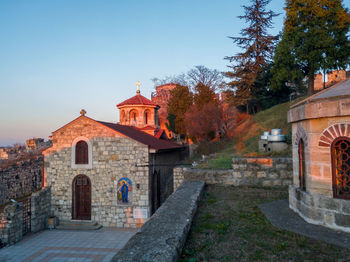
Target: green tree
{"points": [[257, 45], [180, 101], [204, 94], [315, 36]]}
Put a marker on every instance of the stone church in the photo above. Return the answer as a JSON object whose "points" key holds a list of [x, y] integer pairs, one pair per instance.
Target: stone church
{"points": [[115, 174]]}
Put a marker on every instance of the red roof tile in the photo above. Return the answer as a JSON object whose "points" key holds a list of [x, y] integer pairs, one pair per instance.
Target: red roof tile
{"points": [[159, 133], [137, 100], [142, 137]]}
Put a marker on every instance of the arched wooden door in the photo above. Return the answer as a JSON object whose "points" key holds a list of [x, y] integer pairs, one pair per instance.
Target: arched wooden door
{"points": [[81, 199]]}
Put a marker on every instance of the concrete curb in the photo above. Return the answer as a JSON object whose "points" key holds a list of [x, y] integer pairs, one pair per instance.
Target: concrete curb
{"points": [[163, 236]]}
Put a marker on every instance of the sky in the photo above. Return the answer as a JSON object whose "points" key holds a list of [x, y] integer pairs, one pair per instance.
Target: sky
{"points": [[59, 56]]}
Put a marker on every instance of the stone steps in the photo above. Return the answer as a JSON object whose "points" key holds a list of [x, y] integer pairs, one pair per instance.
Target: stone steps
{"points": [[78, 225]]}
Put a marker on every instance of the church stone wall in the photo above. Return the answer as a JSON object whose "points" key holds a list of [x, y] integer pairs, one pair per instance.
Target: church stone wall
{"points": [[113, 157]]}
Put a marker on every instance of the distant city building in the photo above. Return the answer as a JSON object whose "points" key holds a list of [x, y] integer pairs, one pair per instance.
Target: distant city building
{"points": [[4, 153], [9, 153], [36, 144], [333, 78]]}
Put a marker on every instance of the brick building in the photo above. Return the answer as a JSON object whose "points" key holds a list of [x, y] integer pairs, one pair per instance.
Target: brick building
{"points": [[161, 97], [116, 174], [333, 77]]}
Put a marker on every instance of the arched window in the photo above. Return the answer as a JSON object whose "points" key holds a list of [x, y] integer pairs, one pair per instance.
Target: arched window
{"points": [[133, 117], [122, 116], [146, 117], [301, 156], [81, 153], [340, 151]]}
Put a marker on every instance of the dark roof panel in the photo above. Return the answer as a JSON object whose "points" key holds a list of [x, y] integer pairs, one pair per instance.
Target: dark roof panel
{"points": [[142, 137]]}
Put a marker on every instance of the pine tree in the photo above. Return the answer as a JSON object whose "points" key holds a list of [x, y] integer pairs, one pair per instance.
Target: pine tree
{"points": [[257, 45], [315, 36]]}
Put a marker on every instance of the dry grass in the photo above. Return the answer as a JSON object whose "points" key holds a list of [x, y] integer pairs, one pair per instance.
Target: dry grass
{"points": [[229, 226]]}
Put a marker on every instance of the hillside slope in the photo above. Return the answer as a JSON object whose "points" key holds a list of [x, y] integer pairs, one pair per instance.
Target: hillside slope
{"points": [[246, 135]]}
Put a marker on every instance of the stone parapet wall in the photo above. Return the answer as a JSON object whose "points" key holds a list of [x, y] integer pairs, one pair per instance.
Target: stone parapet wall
{"points": [[11, 217], [163, 236], [245, 171], [20, 178], [40, 208], [320, 209], [178, 176], [11, 224]]}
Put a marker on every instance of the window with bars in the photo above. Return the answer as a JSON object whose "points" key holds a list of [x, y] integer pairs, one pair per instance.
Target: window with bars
{"points": [[340, 151], [301, 155], [81, 153]]}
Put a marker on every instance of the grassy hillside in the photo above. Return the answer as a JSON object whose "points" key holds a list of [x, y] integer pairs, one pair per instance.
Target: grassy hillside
{"points": [[246, 136]]}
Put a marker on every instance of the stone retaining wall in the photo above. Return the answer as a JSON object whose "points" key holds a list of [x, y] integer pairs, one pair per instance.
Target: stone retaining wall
{"points": [[11, 218], [163, 236], [20, 178], [320, 209], [245, 171]]}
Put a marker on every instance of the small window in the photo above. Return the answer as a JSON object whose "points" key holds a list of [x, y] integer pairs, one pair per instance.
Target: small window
{"points": [[340, 151], [122, 118], [146, 117], [301, 154], [81, 153], [133, 117]]}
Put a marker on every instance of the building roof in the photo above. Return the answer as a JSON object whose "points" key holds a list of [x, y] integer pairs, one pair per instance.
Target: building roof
{"points": [[168, 84], [137, 100], [142, 137], [339, 90], [330, 102]]}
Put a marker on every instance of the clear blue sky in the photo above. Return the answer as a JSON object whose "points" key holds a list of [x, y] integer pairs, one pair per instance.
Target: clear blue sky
{"points": [[59, 56]]}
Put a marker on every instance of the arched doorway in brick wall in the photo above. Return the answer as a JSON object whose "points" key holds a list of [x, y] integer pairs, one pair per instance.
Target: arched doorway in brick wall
{"points": [[81, 198]]}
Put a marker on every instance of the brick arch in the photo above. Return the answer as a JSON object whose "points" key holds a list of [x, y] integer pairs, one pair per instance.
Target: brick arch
{"points": [[332, 132], [301, 134]]}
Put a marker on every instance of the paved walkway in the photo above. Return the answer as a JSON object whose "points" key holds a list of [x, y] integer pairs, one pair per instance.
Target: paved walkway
{"points": [[64, 245], [280, 215]]}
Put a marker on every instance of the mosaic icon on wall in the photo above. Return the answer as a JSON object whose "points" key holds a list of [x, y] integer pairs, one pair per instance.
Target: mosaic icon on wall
{"points": [[124, 191]]}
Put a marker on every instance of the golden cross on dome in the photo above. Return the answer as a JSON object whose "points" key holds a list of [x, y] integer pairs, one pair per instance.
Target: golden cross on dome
{"points": [[138, 87], [83, 112]]}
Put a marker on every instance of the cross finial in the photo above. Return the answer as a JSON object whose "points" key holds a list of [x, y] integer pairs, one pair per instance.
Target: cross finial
{"points": [[83, 112], [138, 87]]}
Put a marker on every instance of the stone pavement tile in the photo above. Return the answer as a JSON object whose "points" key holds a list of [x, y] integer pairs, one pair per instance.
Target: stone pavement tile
{"points": [[280, 215], [59, 245]]}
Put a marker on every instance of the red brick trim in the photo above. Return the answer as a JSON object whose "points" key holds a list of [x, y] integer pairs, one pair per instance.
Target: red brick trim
{"points": [[337, 130], [301, 134]]}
